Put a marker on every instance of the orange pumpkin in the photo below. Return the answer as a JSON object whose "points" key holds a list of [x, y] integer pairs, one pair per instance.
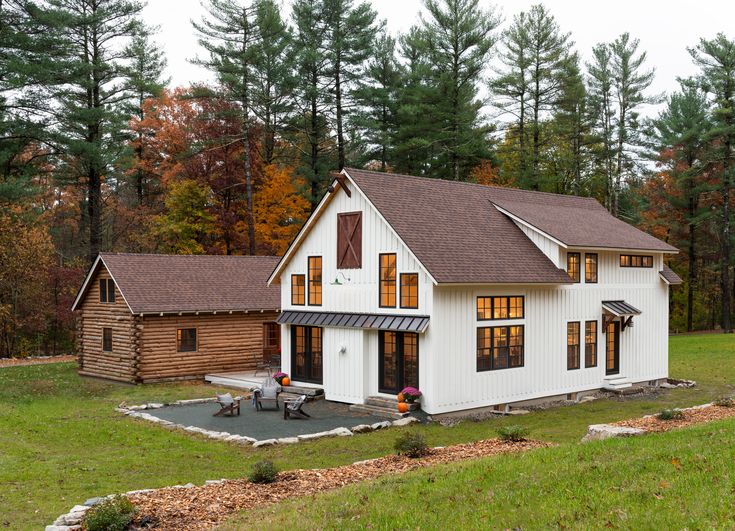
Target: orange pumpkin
{"points": [[402, 407], [400, 397], [286, 381]]}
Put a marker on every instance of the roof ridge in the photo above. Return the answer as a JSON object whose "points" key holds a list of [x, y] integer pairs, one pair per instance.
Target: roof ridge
{"points": [[165, 255], [479, 185]]}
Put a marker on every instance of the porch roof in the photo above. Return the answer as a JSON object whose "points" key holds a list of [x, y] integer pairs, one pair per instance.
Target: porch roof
{"points": [[369, 321], [620, 308]]}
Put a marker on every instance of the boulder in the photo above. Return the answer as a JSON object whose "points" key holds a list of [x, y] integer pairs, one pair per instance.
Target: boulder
{"points": [[312, 436], [405, 421], [362, 428], [265, 442], [381, 425], [288, 440], [596, 432]]}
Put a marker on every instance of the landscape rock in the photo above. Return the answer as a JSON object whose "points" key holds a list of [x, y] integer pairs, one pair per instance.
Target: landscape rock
{"points": [[405, 421], [154, 405], [62, 528], [596, 432], [214, 481], [94, 501], [312, 436], [288, 440], [340, 432], [362, 428], [588, 398], [381, 425], [264, 442]]}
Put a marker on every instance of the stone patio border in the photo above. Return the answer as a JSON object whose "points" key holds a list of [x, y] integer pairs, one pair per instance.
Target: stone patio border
{"points": [[139, 412]]}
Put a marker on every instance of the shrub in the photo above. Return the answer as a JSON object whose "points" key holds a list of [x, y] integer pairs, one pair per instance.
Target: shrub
{"points": [[410, 394], [513, 433], [670, 414], [725, 401], [113, 514], [411, 445], [263, 472]]}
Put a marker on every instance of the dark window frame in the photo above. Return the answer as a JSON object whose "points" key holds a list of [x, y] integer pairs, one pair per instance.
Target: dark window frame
{"points": [[400, 359], [409, 306], [180, 340], [491, 348], [492, 307], [343, 263], [630, 260], [271, 337], [105, 342], [394, 282], [311, 282], [107, 291], [303, 289], [597, 268], [308, 354], [578, 277], [575, 347], [587, 344]]}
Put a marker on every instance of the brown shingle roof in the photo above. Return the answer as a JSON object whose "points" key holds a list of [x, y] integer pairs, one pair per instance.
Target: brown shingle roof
{"points": [[455, 230], [153, 283], [670, 276]]}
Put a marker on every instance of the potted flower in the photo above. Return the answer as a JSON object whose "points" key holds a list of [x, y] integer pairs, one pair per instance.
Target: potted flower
{"points": [[282, 378], [411, 394]]}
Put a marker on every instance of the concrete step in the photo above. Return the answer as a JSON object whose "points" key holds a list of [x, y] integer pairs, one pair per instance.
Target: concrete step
{"points": [[223, 381], [616, 383], [378, 411], [390, 403], [312, 392]]}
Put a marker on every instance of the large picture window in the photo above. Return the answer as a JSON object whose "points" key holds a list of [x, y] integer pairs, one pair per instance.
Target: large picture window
{"points": [[590, 344], [634, 260], [573, 266], [388, 280], [506, 307], [573, 345], [298, 290], [186, 340], [315, 280], [590, 268], [499, 347], [409, 290]]}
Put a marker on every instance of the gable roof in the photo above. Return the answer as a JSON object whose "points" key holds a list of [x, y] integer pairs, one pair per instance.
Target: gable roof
{"points": [[155, 283]]}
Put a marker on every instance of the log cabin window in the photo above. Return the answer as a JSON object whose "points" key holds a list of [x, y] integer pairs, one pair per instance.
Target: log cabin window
{"points": [[315, 281], [636, 260], [590, 268], [573, 266], [388, 280], [107, 339], [409, 290], [271, 338], [186, 340], [506, 307], [107, 290], [590, 344], [349, 240], [499, 347], [298, 290], [573, 345]]}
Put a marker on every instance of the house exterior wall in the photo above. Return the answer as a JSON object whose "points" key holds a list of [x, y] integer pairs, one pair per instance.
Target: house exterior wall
{"points": [[120, 364], [225, 342]]}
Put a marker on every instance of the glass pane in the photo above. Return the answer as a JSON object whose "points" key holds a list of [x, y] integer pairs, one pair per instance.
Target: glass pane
{"points": [[515, 310], [500, 307], [484, 308], [411, 360], [390, 361]]}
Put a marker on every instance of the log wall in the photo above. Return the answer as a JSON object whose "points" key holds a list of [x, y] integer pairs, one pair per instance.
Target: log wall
{"points": [[121, 363], [225, 342]]}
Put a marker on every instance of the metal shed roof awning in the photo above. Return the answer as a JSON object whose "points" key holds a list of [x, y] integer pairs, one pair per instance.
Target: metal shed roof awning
{"points": [[620, 308], [368, 321]]}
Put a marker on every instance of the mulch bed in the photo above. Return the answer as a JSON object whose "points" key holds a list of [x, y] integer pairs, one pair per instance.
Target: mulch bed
{"points": [[203, 507], [13, 362], [691, 417]]}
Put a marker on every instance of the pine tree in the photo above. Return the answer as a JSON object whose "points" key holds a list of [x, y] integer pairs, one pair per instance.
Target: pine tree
{"points": [[600, 87], [716, 61]]}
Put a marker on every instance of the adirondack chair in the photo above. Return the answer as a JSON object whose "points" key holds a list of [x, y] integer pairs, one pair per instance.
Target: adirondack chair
{"points": [[292, 408], [267, 393], [228, 405]]}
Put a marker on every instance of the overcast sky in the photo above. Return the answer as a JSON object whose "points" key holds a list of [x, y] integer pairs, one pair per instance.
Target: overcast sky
{"points": [[664, 27]]}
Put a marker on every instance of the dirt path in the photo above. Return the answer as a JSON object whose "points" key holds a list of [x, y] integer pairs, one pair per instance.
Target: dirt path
{"points": [[15, 362]]}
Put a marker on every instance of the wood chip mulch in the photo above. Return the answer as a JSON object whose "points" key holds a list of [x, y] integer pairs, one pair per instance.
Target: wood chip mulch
{"points": [[14, 362], [203, 507], [691, 417]]}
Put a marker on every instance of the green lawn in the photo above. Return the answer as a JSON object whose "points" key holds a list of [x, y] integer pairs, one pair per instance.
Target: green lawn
{"points": [[61, 441]]}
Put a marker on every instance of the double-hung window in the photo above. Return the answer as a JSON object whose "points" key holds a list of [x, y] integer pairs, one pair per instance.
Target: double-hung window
{"points": [[590, 268], [387, 280], [315, 281], [499, 347], [573, 345], [573, 266], [590, 344]]}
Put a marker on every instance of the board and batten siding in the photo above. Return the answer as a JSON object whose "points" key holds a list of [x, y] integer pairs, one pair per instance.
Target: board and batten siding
{"points": [[225, 342], [454, 383], [359, 294], [120, 364]]}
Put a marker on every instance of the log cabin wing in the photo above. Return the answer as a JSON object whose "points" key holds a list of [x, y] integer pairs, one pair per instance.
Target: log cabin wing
{"points": [[144, 317]]}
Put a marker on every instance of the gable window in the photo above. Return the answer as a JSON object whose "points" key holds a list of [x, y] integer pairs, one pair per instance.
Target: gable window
{"points": [[298, 290], [636, 260], [107, 339], [499, 347], [409, 290], [186, 340], [590, 344], [573, 345], [107, 290], [315, 280], [349, 240], [590, 268], [271, 338], [573, 266], [489, 308], [388, 280]]}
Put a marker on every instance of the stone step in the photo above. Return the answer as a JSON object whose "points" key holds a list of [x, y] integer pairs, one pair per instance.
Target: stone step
{"points": [[390, 403], [312, 392], [378, 411]]}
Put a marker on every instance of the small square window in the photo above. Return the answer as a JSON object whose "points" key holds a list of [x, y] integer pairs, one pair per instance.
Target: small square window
{"points": [[186, 340]]}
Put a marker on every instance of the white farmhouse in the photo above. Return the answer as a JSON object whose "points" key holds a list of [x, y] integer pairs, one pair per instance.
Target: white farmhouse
{"points": [[479, 296]]}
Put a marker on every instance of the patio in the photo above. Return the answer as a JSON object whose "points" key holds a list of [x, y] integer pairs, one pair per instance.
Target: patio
{"points": [[267, 423]]}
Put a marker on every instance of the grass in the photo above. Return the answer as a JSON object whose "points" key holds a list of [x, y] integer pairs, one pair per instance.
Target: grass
{"points": [[61, 442]]}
